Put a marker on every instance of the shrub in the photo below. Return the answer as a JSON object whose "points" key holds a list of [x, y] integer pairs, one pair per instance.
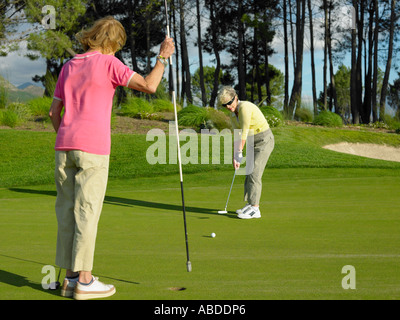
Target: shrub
{"points": [[303, 115], [192, 116], [9, 118], [39, 107], [160, 105], [3, 97], [134, 107], [273, 116], [328, 119], [217, 119], [203, 118], [393, 123], [21, 109], [377, 125]]}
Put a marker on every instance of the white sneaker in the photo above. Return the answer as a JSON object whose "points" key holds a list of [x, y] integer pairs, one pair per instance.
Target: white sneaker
{"points": [[250, 213], [96, 289], [239, 211]]}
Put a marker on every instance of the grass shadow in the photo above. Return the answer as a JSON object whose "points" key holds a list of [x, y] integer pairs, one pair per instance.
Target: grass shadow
{"points": [[21, 281], [112, 200]]}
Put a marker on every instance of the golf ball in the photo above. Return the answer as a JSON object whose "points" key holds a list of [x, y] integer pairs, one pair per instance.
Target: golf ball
{"points": [[213, 235]]}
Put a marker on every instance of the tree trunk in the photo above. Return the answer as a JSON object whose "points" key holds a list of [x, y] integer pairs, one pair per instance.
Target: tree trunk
{"points": [[186, 77], [201, 73], [292, 34], [295, 98], [286, 40], [148, 46], [366, 114], [131, 35], [375, 79], [314, 90], [353, 81], [255, 63], [267, 78], [388, 63], [214, 40], [359, 86], [241, 67], [178, 94], [333, 101], [256, 59], [325, 54]]}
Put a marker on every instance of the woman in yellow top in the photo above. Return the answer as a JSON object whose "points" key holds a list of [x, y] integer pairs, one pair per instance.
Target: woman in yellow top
{"points": [[248, 117]]}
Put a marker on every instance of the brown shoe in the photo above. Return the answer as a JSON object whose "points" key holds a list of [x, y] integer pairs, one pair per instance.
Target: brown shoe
{"points": [[68, 287]]}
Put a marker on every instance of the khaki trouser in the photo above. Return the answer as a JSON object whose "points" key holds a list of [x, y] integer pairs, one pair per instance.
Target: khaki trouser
{"points": [[81, 180], [264, 143]]}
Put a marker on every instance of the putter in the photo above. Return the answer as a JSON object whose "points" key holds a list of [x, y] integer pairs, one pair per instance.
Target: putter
{"points": [[55, 285], [188, 263], [226, 205]]}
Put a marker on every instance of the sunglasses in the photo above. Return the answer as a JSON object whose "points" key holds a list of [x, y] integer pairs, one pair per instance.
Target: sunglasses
{"points": [[229, 103]]}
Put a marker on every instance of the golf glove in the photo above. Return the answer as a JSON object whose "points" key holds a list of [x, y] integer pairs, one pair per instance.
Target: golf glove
{"points": [[238, 156]]}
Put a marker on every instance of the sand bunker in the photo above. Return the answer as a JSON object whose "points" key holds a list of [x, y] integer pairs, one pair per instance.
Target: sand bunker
{"points": [[374, 151]]}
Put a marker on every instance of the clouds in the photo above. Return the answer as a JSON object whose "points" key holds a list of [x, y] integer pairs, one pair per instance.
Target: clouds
{"points": [[18, 69]]}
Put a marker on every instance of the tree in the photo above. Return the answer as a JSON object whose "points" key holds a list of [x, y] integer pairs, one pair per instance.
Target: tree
{"points": [[342, 80], [201, 74], [215, 40], [353, 81], [393, 19], [394, 96], [186, 77], [295, 98], [286, 44], [374, 104], [314, 90], [54, 43], [332, 104], [209, 74], [144, 26], [326, 26], [10, 17], [366, 110], [266, 31], [240, 52], [276, 84]]}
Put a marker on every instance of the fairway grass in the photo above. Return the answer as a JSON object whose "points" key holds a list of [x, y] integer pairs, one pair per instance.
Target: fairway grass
{"points": [[314, 222], [27, 158]]}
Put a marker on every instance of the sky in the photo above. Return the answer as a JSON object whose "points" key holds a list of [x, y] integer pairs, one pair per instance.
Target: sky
{"points": [[18, 69]]}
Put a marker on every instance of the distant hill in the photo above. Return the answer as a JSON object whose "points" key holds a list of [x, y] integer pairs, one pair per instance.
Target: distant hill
{"points": [[25, 85], [22, 93]]}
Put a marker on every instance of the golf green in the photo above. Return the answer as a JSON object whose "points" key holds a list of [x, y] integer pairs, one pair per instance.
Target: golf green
{"points": [[314, 222]]}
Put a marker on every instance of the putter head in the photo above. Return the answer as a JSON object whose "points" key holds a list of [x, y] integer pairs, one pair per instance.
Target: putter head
{"points": [[189, 266], [222, 212], [54, 285]]}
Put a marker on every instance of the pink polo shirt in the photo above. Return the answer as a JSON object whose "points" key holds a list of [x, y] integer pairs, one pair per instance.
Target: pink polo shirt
{"points": [[86, 86]]}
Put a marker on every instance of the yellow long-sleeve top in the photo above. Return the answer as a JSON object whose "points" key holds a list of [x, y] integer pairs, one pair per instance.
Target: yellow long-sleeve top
{"points": [[250, 119]]}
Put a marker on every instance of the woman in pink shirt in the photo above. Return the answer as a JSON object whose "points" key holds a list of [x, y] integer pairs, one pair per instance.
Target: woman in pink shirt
{"points": [[85, 90]]}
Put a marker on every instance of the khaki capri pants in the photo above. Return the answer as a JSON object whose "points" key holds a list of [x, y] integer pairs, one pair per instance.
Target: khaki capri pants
{"points": [[81, 180], [264, 143]]}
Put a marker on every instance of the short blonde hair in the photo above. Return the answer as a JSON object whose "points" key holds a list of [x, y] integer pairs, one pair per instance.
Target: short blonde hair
{"points": [[226, 94], [107, 34]]}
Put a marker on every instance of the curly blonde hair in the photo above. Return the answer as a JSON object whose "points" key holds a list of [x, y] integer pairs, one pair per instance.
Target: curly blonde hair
{"points": [[106, 34], [226, 94]]}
